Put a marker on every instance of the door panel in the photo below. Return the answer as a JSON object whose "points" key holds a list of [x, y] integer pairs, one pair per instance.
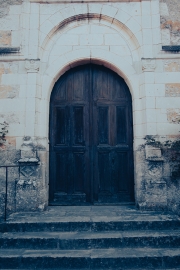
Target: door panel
{"points": [[61, 125], [78, 135], [103, 126], [91, 157], [62, 172], [121, 122]]}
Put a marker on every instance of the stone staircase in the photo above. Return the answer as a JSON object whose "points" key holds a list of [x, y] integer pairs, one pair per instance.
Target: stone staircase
{"points": [[91, 237]]}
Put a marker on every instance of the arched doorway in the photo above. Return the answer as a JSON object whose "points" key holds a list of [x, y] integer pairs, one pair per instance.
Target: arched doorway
{"points": [[91, 138]]}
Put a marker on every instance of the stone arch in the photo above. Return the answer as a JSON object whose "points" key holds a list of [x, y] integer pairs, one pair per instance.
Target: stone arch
{"points": [[52, 31], [69, 60], [80, 57]]}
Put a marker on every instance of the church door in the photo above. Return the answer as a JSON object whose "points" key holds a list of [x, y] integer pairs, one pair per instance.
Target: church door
{"points": [[91, 156]]}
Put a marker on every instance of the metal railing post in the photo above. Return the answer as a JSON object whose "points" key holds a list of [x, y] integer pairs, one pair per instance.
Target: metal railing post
{"points": [[5, 210]]}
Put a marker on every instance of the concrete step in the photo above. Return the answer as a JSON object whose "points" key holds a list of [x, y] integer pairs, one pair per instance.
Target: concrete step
{"points": [[89, 240], [124, 258]]}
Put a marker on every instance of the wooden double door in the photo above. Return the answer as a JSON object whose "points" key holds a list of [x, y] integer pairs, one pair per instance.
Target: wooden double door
{"points": [[91, 156]]}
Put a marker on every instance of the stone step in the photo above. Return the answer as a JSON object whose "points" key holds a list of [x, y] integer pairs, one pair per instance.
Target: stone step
{"points": [[118, 268], [89, 240], [124, 258], [92, 224]]}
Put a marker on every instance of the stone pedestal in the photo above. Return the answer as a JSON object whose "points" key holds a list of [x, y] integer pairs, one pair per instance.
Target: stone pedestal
{"points": [[30, 183]]}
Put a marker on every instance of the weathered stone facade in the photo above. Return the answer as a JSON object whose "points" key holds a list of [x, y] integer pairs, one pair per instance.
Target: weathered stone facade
{"points": [[53, 37], [170, 22]]}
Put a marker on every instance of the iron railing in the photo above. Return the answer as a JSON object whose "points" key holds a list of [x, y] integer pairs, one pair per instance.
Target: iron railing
{"points": [[6, 185]]}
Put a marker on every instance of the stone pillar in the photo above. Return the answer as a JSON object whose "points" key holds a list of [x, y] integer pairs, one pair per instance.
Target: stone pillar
{"points": [[154, 188], [27, 184]]}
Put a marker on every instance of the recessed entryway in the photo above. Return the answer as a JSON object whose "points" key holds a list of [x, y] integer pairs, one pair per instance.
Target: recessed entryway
{"points": [[91, 138]]}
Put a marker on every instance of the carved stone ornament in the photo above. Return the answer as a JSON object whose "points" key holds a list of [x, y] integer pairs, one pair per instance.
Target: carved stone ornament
{"points": [[27, 171], [148, 64], [155, 170], [32, 65], [153, 153]]}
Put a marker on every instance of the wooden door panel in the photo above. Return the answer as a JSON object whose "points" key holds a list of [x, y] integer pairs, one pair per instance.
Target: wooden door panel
{"points": [[78, 125], [81, 85], [120, 171], [62, 172], [61, 126], [61, 93], [79, 171], [104, 170], [100, 83], [121, 125], [103, 127]]}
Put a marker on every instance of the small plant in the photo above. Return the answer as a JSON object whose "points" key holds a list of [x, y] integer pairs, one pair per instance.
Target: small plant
{"points": [[3, 131]]}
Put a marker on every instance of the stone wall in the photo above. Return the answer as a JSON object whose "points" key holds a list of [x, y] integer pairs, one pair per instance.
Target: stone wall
{"points": [[170, 21], [159, 170], [8, 34]]}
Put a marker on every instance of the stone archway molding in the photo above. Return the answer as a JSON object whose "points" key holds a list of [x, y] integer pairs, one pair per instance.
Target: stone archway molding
{"points": [[75, 58], [53, 27]]}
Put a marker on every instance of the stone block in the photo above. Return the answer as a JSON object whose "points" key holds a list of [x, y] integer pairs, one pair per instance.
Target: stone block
{"points": [[94, 8], [146, 21], [5, 38], [109, 10], [153, 153], [46, 27], [122, 16], [173, 116], [68, 11], [133, 25], [156, 195], [81, 8], [9, 23], [91, 39], [165, 103], [120, 50], [172, 90], [114, 39], [69, 40], [147, 36], [9, 91], [148, 65], [164, 9], [150, 102], [165, 35], [26, 195], [172, 65]]}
